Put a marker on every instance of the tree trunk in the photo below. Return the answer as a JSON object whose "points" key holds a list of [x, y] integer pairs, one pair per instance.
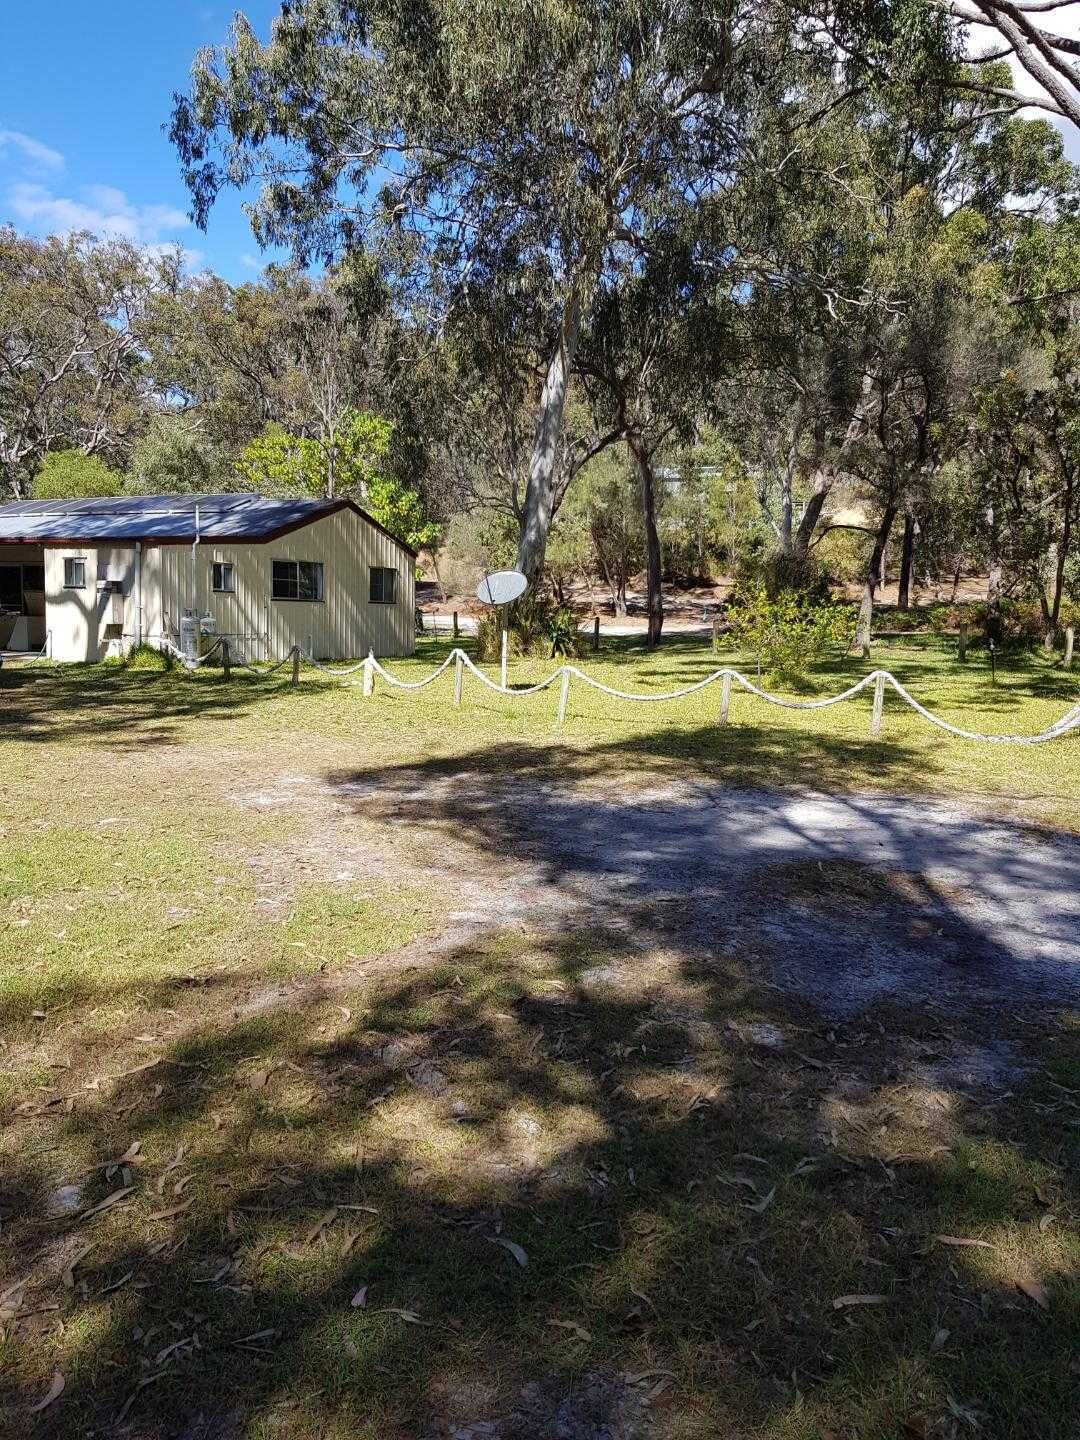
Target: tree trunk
{"points": [[873, 577], [537, 513], [903, 598], [812, 514], [653, 578]]}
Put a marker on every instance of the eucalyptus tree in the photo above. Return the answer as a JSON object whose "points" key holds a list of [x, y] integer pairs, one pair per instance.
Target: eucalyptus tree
{"points": [[72, 348], [530, 148]]}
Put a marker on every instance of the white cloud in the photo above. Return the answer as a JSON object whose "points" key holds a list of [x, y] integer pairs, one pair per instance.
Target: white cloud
{"points": [[251, 262], [39, 155], [102, 209]]}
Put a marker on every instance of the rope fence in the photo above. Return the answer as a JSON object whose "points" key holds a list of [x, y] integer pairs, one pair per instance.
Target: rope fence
{"points": [[370, 669]]}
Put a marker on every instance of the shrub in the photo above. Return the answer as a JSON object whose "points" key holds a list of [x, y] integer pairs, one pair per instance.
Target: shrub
{"points": [[536, 624], [146, 657], [789, 632]]}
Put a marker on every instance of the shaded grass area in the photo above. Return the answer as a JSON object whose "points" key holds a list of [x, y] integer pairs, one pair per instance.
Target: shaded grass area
{"points": [[308, 1199], [763, 746]]}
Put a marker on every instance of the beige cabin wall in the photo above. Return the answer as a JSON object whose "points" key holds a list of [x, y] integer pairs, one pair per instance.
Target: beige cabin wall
{"points": [[343, 625], [80, 622]]}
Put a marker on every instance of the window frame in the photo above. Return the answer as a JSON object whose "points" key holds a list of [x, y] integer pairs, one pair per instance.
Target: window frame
{"points": [[222, 565], [382, 570], [318, 571], [74, 560]]}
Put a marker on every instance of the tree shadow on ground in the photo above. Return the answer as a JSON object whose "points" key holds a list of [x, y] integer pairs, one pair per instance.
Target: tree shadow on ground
{"points": [[595, 1171]]}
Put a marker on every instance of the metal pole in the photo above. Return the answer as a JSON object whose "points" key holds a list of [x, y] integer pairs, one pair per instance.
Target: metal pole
{"points": [[459, 675], [502, 659]]}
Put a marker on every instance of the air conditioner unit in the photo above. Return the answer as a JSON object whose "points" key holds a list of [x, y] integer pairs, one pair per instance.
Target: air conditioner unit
{"points": [[115, 591]]}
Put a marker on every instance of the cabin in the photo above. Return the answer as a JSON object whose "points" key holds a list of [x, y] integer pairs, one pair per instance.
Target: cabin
{"points": [[85, 579]]}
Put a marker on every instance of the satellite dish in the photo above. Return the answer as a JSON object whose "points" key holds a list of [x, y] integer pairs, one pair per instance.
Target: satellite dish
{"points": [[502, 588]]}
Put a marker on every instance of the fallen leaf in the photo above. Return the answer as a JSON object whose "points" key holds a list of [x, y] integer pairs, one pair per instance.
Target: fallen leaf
{"points": [[938, 1342], [55, 1390], [962, 1240], [359, 1300], [573, 1327], [320, 1225], [842, 1302], [409, 1316], [1035, 1290], [515, 1250], [174, 1210], [110, 1200], [76, 1259], [259, 1079], [763, 1205]]}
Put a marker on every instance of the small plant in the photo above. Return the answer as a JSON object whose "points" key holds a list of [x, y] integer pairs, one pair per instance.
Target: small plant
{"points": [[146, 657], [789, 632], [537, 625]]}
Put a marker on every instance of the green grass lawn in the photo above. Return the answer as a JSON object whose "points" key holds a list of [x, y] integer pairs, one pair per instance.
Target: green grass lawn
{"points": [[273, 1162]]}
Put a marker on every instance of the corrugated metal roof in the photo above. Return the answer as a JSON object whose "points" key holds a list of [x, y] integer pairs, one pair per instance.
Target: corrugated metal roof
{"points": [[162, 518]]}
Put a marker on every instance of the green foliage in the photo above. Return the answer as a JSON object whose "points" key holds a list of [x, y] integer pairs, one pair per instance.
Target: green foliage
{"points": [[71, 475], [537, 625], [400, 509], [277, 463], [174, 457], [789, 632]]}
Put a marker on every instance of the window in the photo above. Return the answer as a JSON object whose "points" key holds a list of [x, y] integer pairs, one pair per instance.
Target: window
{"points": [[382, 585], [33, 578], [296, 580], [74, 572], [222, 578]]}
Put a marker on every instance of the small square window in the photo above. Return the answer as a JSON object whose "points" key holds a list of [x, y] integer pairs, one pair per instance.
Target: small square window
{"points": [[222, 578], [296, 580], [74, 572], [383, 580]]}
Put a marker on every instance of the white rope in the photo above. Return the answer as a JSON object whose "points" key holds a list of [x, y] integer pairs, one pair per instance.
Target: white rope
{"points": [[1068, 723], [341, 674]]}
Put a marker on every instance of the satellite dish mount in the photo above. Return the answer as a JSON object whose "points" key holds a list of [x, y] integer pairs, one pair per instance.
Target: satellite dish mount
{"points": [[502, 587]]}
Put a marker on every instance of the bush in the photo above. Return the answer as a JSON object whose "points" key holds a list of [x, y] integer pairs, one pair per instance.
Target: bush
{"points": [[536, 625], [146, 657], [789, 632]]}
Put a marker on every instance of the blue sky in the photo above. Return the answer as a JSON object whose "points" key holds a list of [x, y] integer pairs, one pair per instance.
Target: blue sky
{"points": [[84, 91]]}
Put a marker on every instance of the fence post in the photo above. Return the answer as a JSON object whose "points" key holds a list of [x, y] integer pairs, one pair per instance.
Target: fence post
{"points": [[459, 676], [502, 658], [596, 632], [716, 633], [879, 701], [226, 660], [963, 640], [725, 697], [296, 664], [1069, 639], [369, 676], [455, 625], [564, 695]]}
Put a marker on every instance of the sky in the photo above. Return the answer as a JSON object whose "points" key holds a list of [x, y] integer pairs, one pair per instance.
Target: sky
{"points": [[85, 89]]}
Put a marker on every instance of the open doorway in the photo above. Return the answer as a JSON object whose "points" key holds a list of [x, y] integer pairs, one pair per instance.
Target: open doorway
{"points": [[22, 598]]}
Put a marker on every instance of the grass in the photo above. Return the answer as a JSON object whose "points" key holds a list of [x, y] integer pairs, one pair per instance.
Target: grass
{"points": [[225, 1001]]}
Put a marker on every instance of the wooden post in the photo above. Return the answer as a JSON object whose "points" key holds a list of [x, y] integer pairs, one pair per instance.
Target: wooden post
{"points": [[502, 658], [296, 664], [1069, 639], [564, 695], [369, 677], [455, 625], [226, 660], [879, 701], [725, 697], [459, 676], [962, 643], [716, 633], [596, 632]]}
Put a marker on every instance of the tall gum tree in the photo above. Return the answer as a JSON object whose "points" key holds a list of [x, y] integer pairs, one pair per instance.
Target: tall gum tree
{"points": [[531, 146]]}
